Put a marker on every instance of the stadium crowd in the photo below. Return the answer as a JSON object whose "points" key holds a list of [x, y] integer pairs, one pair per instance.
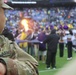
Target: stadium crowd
{"points": [[44, 16]]}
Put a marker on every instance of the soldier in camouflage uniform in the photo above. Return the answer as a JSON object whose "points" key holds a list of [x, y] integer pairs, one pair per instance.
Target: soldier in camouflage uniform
{"points": [[13, 60]]}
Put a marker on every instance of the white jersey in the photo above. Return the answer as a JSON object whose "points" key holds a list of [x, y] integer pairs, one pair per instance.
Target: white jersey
{"points": [[66, 32], [66, 37], [74, 31], [74, 40]]}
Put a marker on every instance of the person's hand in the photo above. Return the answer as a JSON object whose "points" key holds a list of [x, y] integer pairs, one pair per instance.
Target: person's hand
{"points": [[2, 69]]}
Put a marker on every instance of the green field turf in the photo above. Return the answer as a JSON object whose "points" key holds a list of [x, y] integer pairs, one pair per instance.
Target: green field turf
{"points": [[60, 62]]}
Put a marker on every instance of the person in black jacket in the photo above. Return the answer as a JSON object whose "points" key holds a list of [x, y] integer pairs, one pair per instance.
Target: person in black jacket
{"points": [[52, 42]]}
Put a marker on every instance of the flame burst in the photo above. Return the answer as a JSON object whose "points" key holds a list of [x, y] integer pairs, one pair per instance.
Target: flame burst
{"points": [[24, 22]]}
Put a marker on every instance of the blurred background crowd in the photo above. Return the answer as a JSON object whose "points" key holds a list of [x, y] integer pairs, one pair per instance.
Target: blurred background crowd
{"points": [[43, 16]]}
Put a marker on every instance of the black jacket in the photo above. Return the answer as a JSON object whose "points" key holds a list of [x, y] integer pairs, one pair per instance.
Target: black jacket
{"points": [[52, 41]]}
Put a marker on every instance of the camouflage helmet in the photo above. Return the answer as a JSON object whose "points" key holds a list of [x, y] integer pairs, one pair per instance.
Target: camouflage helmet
{"points": [[3, 5]]}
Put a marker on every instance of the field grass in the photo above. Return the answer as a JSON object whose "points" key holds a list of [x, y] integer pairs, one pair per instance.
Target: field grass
{"points": [[60, 62]]}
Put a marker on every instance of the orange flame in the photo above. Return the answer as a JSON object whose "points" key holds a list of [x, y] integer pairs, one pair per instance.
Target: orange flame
{"points": [[24, 22]]}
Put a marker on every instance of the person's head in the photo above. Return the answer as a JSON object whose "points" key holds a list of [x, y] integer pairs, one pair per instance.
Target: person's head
{"points": [[53, 31], [3, 6]]}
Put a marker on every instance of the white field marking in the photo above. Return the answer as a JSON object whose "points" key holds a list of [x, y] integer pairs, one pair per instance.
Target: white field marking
{"points": [[49, 70]]}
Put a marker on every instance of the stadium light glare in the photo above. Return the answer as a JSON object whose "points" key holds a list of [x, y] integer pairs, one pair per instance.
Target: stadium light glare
{"points": [[74, 0], [18, 2]]}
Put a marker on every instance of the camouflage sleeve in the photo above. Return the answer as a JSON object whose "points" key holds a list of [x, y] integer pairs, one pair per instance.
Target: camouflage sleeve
{"points": [[6, 47]]}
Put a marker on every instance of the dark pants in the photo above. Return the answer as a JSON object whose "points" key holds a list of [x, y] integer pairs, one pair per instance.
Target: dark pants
{"points": [[31, 49], [61, 49], [51, 59], [69, 47]]}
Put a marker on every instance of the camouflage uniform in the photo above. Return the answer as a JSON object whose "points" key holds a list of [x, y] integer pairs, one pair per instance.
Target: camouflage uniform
{"points": [[22, 63]]}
